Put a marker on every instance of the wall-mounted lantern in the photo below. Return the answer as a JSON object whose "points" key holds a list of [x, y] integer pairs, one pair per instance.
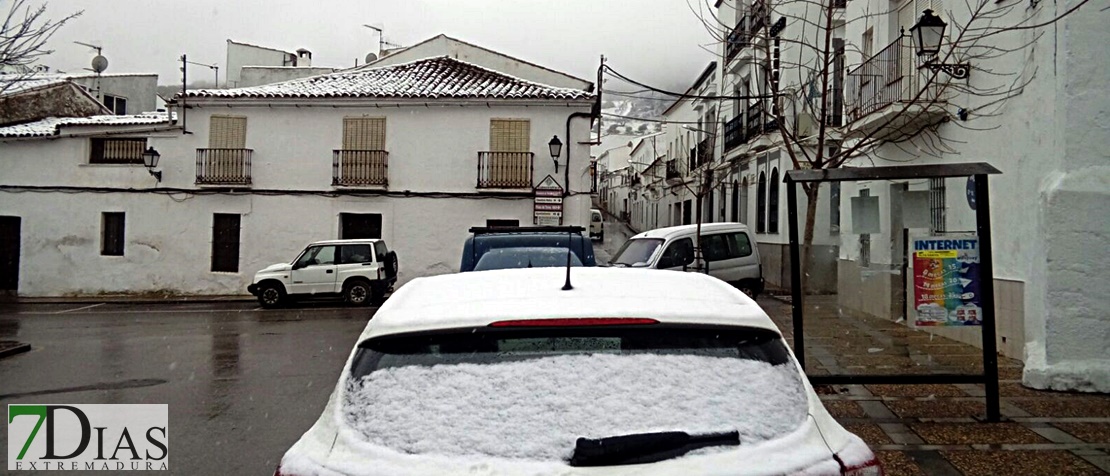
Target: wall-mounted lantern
{"points": [[927, 35], [556, 147], [150, 160]]}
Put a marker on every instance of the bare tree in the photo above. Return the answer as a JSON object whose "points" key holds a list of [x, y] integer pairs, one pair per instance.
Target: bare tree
{"points": [[23, 37], [803, 71]]}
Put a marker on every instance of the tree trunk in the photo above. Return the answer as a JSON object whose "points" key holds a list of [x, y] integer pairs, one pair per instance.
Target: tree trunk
{"points": [[807, 233]]}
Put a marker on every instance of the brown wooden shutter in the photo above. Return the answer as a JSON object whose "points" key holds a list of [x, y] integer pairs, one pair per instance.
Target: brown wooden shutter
{"points": [[509, 135], [227, 132], [364, 133]]}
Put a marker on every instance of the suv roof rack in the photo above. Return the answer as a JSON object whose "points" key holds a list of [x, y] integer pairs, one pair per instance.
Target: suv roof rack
{"points": [[478, 230]]}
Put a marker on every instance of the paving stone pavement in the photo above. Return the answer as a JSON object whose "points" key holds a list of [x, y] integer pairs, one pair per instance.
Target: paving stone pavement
{"points": [[934, 429]]}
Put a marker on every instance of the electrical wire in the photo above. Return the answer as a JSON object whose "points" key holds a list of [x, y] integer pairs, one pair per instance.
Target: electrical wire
{"points": [[679, 95], [189, 193]]}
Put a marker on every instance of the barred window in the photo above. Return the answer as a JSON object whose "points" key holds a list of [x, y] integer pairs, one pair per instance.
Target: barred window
{"points": [[116, 151], [937, 205]]}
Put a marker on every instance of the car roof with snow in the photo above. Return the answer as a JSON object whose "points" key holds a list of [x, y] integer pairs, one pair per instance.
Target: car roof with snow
{"points": [[681, 229], [478, 299]]}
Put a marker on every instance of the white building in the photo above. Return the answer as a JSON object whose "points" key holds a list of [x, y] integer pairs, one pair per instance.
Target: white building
{"points": [[1049, 206], [252, 65], [415, 153]]}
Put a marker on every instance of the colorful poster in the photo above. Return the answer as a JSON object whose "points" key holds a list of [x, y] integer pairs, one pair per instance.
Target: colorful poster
{"points": [[946, 281]]}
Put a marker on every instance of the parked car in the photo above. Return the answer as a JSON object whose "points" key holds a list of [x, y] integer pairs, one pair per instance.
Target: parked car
{"points": [[597, 225], [526, 257], [483, 239], [628, 373], [359, 271], [728, 249]]}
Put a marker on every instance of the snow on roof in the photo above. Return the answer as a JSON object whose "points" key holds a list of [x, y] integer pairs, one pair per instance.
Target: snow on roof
{"points": [[482, 297], [51, 126], [431, 78]]}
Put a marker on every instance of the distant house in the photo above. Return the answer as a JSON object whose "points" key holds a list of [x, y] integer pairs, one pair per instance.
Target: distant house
{"points": [[253, 65], [30, 97], [415, 153]]}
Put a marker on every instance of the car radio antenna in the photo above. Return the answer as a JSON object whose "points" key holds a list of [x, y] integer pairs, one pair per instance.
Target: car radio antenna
{"points": [[570, 241]]}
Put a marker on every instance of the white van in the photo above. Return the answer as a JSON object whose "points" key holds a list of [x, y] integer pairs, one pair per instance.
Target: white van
{"points": [[728, 249], [597, 225]]}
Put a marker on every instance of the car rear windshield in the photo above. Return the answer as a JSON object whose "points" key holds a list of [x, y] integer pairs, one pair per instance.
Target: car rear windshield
{"points": [[636, 252], [530, 393]]}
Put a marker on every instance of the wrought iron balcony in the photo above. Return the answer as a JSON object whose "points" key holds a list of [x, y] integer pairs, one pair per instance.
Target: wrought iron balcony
{"points": [[357, 168], [734, 132], [672, 170], [738, 39], [754, 120], [881, 80], [224, 166], [505, 169], [759, 16]]}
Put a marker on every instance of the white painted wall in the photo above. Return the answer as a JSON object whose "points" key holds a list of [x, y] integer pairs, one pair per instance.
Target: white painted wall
{"points": [[141, 90], [259, 75], [168, 236], [1050, 205], [240, 55]]}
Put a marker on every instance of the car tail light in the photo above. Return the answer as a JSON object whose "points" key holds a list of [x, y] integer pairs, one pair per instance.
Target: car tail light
{"points": [[576, 322], [870, 468]]}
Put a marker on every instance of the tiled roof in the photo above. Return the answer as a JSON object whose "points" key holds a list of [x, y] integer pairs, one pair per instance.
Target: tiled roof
{"points": [[432, 78], [51, 125]]}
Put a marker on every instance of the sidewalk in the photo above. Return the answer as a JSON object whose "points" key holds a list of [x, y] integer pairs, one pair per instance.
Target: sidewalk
{"points": [[931, 429], [128, 299]]}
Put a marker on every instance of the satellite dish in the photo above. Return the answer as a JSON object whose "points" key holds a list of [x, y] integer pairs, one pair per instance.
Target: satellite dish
{"points": [[99, 64], [371, 57]]}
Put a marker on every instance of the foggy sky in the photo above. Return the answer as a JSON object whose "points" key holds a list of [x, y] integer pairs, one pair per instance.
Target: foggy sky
{"points": [[656, 41]]}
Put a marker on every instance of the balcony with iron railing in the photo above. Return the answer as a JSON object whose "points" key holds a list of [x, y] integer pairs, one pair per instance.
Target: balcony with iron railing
{"points": [[738, 39], [672, 170], [888, 92], [359, 168], [224, 166], [734, 132], [505, 169]]}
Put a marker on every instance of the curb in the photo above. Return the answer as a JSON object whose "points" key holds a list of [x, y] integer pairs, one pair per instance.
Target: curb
{"points": [[18, 348], [126, 300]]}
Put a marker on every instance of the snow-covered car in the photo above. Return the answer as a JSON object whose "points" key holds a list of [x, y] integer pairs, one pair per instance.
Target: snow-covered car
{"points": [[627, 373], [359, 271]]}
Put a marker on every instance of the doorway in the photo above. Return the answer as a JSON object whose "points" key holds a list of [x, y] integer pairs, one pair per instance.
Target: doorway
{"points": [[9, 254]]}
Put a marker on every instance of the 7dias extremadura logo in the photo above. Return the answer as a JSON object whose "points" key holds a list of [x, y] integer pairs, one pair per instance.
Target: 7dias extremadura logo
{"points": [[88, 437]]}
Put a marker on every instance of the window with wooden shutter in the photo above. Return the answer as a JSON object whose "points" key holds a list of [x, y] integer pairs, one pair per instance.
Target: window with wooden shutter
{"points": [[509, 135], [364, 133], [509, 161], [227, 132]]}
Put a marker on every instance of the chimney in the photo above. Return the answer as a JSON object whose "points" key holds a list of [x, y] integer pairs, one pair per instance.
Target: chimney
{"points": [[304, 58]]}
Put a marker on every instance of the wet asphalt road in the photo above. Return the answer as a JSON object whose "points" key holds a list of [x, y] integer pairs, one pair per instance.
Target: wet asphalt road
{"points": [[242, 383]]}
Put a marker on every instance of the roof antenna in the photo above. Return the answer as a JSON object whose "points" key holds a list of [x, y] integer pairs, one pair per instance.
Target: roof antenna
{"points": [[570, 241]]}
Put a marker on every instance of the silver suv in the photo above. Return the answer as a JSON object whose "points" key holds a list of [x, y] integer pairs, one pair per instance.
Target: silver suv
{"points": [[359, 271]]}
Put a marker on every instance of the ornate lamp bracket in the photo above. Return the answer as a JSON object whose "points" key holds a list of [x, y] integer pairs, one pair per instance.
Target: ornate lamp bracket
{"points": [[957, 71]]}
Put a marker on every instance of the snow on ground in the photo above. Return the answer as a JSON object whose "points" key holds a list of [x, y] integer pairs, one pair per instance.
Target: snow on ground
{"points": [[536, 409]]}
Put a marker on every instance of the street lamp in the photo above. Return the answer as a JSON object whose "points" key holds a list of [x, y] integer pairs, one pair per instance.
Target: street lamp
{"points": [[150, 160], [927, 35], [556, 147]]}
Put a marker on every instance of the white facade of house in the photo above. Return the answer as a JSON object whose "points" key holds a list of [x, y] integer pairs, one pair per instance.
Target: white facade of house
{"points": [[240, 55], [1049, 206], [431, 199]]}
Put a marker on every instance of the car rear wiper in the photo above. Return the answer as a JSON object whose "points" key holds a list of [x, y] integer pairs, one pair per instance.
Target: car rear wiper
{"points": [[645, 447]]}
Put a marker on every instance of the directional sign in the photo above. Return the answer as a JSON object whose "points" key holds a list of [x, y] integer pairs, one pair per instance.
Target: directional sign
{"points": [[548, 202]]}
